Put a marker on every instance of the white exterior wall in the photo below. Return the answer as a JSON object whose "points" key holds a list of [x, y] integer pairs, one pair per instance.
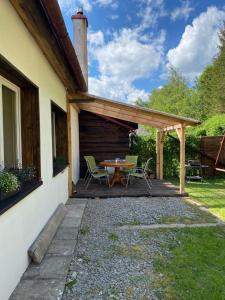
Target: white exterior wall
{"points": [[20, 225], [75, 145]]}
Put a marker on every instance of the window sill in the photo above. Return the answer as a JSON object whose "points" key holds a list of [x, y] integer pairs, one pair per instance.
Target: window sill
{"points": [[14, 199], [57, 171]]}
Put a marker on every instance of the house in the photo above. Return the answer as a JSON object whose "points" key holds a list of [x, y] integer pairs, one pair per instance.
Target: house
{"points": [[43, 88]]}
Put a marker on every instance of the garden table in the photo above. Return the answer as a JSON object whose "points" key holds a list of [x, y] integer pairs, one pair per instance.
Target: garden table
{"points": [[117, 176]]}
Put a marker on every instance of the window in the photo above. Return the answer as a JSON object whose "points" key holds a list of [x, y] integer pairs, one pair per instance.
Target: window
{"points": [[19, 132], [10, 125], [59, 139]]}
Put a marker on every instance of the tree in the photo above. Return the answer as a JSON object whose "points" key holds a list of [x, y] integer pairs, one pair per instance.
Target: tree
{"points": [[175, 97], [211, 84]]}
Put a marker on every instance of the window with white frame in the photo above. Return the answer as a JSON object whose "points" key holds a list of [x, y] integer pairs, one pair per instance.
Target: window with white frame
{"points": [[10, 125]]}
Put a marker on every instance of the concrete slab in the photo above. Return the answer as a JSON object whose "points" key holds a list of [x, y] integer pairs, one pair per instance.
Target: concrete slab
{"points": [[39, 289], [52, 267], [67, 233], [76, 201], [75, 213], [62, 247], [71, 222], [46, 281]]}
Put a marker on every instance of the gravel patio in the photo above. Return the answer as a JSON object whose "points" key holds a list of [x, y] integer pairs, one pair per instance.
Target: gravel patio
{"points": [[113, 257]]}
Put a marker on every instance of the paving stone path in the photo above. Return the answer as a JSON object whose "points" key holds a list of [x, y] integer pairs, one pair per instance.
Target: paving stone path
{"points": [[47, 280]]}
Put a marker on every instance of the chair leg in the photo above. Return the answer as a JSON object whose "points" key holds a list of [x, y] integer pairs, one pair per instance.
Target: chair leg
{"points": [[86, 174], [107, 180], [149, 186], [128, 178], [88, 182], [87, 178]]}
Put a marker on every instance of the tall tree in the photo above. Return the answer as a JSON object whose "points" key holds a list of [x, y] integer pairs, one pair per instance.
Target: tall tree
{"points": [[211, 84], [175, 97]]}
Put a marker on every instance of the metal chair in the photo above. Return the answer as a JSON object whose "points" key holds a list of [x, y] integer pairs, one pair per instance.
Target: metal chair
{"points": [[131, 159], [141, 173], [93, 171]]}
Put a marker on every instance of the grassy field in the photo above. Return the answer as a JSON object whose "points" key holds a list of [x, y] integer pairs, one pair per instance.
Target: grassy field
{"points": [[192, 262], [192, 265], [210, 193]]}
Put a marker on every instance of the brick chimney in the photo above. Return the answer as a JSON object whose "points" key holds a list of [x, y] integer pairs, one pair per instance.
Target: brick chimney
{"points": [[80, 25]]}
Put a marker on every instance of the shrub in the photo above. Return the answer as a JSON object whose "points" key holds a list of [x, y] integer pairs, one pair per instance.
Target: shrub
{"points": [[8, 182]]}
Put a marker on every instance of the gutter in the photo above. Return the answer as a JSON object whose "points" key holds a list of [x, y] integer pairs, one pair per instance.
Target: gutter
{"points": [[56, 21]]}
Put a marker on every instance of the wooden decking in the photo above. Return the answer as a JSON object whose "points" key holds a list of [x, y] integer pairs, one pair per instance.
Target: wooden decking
{"points": [[138, 188]]}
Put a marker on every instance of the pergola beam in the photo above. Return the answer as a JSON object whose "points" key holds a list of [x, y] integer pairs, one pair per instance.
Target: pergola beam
{"points": [[123, 114]]}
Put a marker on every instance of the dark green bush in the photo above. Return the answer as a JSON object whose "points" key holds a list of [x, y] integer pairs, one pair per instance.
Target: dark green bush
{"points": [[145, 147]]}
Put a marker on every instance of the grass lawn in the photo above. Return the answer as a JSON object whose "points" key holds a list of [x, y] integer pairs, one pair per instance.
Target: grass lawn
{"points": [[210, 193], [192, 262], [192, 265]]}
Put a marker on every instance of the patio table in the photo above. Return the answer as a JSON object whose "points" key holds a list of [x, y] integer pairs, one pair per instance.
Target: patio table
{"points": [[117, 176]]}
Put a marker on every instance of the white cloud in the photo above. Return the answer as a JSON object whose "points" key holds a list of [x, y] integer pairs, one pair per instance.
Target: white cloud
{"points": [[114, 17], [123, 60], [112, 3], [70, 6], [182, 12], [199, 43], [149, 12], [115, 89], [96, 38]]}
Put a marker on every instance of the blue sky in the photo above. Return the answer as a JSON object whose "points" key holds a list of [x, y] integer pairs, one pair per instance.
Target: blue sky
{"points": [[132, 43]]}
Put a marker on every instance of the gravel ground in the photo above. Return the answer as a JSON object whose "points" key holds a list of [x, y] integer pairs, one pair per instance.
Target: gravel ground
{"points": [[110, 263]]}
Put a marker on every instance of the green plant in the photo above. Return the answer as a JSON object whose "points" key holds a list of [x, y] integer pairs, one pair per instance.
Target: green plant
{"points": [[85, 230], [113, 236], [8, 182], [24, 174]]}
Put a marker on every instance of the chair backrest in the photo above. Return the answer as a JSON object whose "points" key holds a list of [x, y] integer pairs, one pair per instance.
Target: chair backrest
{"points": [[91, 164], [147, 164], [132, 159]]}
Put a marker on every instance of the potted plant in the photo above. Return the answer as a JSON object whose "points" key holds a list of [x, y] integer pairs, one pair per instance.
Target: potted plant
{"points": [[26, 174], [9, 184]]}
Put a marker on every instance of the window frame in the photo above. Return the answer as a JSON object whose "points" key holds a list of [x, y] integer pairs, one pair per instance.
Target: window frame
{"points": [[54, 139], [8, 84]]}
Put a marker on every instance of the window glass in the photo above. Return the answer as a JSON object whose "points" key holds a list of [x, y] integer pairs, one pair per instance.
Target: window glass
{"points": [[9, 127]]}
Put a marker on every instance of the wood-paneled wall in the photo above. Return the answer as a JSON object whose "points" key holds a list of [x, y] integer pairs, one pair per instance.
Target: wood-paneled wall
{"points": [[102, 138], [210, 145]]}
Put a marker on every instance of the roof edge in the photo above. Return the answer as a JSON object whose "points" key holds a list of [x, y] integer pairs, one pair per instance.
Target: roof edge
{"points": [[56, 21], [181, 118]]}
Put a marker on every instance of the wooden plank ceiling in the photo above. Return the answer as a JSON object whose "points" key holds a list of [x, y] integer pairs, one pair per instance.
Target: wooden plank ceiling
{"points": [[160, 120]]}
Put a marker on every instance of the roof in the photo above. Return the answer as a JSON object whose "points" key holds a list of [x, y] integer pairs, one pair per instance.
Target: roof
{"points": [[53, 39], [127, 112]]}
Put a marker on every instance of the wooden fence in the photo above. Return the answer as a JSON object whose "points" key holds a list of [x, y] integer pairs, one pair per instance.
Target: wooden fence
{"points": [[209, 148]]}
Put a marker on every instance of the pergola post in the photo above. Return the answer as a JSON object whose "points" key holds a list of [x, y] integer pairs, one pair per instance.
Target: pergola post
{"points": [[159, 154], [181, 135]]}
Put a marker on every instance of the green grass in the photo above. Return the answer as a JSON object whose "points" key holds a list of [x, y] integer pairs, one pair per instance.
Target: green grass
{"points": [[85, 230], [210, 193], [113, 236], [70, 284], [133, 252], [191, 265]]}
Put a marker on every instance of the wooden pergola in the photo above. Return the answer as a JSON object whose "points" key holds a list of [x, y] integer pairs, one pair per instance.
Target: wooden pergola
{"points": [[163, 122]]}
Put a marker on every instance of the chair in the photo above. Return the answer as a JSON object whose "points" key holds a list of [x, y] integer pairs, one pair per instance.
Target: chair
{"points": [[93, 171], [130, 159], [141, 173]]}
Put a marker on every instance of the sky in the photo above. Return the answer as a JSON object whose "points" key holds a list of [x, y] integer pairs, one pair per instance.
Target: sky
{"points": [[132, 43]]}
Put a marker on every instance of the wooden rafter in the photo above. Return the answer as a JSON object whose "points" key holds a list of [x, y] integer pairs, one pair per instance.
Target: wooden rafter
{"points": [[121, 124]]}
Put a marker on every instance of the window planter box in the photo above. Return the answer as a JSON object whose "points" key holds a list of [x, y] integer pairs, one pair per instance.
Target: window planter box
{"points": [[10, 199]]}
